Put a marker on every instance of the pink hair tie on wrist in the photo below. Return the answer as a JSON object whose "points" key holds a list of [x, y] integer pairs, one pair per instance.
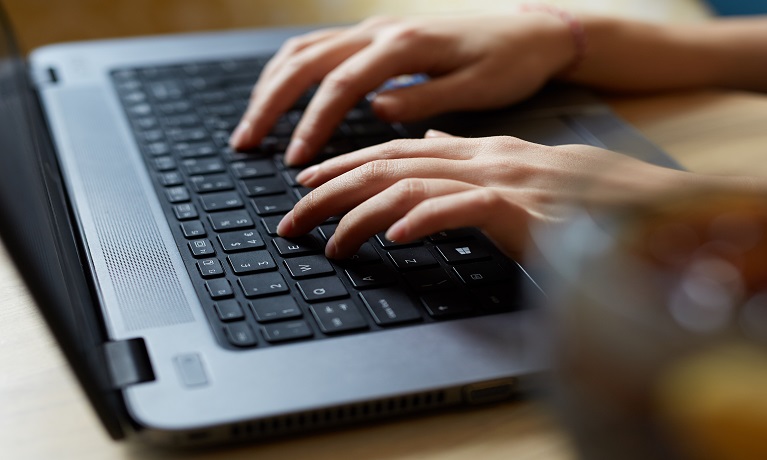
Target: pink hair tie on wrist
{"points": [[580, 39]]}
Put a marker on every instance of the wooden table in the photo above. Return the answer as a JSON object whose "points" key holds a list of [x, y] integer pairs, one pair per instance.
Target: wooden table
{"points": [[44, 414]]}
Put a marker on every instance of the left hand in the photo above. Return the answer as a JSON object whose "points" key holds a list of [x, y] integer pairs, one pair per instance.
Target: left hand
{"points": [[417, 187]]}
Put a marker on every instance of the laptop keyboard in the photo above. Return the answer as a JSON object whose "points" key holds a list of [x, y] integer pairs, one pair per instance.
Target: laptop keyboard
{"points": [[261, 290]]}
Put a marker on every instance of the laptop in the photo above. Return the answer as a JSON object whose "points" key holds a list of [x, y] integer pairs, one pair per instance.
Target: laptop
{"points": [[150, 249]]}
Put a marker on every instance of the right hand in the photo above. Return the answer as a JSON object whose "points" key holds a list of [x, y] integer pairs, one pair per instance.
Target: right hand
{"points": [[477, 62]]}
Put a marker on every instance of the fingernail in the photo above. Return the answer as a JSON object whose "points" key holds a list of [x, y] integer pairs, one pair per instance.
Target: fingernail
{"points": [[286, 224], [296, 152], [330, 248], [387, 107], [238, 135], [398, 231], [436, 133], [307, 174]]}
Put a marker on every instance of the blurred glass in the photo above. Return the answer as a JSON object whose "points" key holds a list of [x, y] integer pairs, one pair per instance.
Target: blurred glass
{"points": [[659, 327]]}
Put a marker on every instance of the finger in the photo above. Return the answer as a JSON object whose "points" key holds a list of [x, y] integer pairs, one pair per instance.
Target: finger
{"points": [[352, 188], [494, 211], [434, 133], [453, 91], [294, 46], [277, 93], [380, 211], [453, 148], [344, 87]]}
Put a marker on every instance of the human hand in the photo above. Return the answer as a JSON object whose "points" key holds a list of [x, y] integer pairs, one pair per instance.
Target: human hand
{"points": [[417, 187], [477, 62]]}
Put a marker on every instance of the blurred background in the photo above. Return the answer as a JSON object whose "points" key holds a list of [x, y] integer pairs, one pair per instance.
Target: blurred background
{"points": [[46, 21]]}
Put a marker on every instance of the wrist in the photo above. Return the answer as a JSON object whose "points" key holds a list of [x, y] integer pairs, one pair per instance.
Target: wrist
{"points": [[571, 30]]}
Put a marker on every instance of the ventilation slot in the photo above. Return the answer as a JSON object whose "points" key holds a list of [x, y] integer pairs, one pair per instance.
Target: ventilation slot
{"points": [[342, 415]]}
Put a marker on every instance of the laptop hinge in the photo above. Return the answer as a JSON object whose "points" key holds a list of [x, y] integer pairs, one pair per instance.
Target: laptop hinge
{"points": [[128, 362]]}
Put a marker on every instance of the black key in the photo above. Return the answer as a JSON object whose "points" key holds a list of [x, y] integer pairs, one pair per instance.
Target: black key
{"points": [[201, 248], [229, 310], [263, 284], [290, 176], [219, 288], [275, 308], [275, 204], [388, 244], [230, 220], [251, 262], [270, 224], [481, 273], [195, 150], [451, 235], [466, 251], [434, 279], [194, 166], [365, 255], [328, 230], [253, 168], [177, 194], [220, 201], [338, 317], [171, 178], [502, 297], [390, 306], [240, 334], [241, 241], [447, 304], [371, 276], [189, 119], [301, 192], [187, 135], [185, 211], [193, 229], [282, 332], [309, 266], [157, 148], [164, 163], [303, 245], [321, 289], [263, 186], [210, 268], [211, 183], [412, 258]]}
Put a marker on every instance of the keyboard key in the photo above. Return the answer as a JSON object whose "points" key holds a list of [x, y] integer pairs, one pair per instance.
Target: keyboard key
{"points": [[164, 163], [448, 304], [193, 229], [251, 262], [303, 245], [481, 273], [241, 241], [231, 220], [177, 194], [499, 298], [390, 306], [451, 235], [253, 168], [412, 258], [211, 183], [321, 289], [219, 288], [466, 251], [338, 317], [201, 248], [434, 279], [309, 266], [210, 268], [263, 186], [365, 255], [185, 211], [270, 224], [229, 310], [327, 230], [194, 150], [194, 166], [275, 204], [282, 332], [263, 284], [240, 334], [275, 308], [388, 244], [371, 276], [221, 201], [171, 178]]}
